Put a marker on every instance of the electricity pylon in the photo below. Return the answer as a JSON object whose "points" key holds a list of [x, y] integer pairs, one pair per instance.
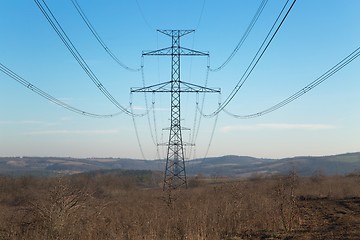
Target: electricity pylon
{"points": [[175, 174]]}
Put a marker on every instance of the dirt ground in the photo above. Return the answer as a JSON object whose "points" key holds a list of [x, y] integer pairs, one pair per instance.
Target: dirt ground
{"points": [[330, 218], [321, 218]]}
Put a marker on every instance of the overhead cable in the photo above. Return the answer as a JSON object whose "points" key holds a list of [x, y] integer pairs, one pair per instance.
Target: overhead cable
{"points": [[264, 46], [196, 130], [136, 129], [201, 14], [142, 15], [196, 125], [47, 96], [155, 126], [211, 137], [304, 90], [70, 46], [243, 38], [99, 39], [154, 139]]}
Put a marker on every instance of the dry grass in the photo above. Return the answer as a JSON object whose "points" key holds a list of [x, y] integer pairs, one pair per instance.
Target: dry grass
{"points": [[116, 207]]}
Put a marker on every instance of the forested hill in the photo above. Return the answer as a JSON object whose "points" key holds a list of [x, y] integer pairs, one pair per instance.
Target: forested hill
{"points": [[216, 166]]}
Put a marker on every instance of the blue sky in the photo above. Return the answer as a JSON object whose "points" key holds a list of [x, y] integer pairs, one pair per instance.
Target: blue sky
{"points": [[315, 36]]}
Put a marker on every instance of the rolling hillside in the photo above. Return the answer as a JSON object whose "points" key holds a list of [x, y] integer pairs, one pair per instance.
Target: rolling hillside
{"points": [[216, 166]]}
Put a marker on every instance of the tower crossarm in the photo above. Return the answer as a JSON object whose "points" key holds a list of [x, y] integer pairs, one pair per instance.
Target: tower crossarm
{"points": [[184, 87], [182, 128], [191, 52], [169, 52], [189, 87], [160, 87], [179, 33], [185, 144], [160, 52]]}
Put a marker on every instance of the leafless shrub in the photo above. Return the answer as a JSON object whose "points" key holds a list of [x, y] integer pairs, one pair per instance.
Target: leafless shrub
{"points": [[57, 211], [106, 207], [286, 200]]}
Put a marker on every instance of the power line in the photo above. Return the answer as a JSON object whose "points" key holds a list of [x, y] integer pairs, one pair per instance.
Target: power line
{"points": [[212, 136], [142, 15], [201, 14], [196, 127], [192, 136], [70, 46], [348, 59], [47, 96], [155, 126], [146, 102], [99, 39], [264, 46], [162, 140], [243, 38], [136, 129], [213, 130]]}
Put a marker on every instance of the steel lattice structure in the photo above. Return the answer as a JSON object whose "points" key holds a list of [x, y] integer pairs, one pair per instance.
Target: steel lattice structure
{"points": [[175, 173]]}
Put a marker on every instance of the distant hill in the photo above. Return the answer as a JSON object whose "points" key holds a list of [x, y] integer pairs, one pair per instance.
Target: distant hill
{"points": [[45, 166], [215, 166], [245, 166]]}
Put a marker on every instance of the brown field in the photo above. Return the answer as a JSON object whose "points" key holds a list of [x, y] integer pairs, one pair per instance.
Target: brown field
{"points": [[112, 206]]}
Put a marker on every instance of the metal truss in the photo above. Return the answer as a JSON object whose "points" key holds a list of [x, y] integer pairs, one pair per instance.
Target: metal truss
{"points": [[175, 173]]}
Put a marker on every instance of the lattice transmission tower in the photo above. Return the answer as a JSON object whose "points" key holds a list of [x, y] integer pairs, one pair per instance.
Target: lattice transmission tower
{"points": [[175, 173]]}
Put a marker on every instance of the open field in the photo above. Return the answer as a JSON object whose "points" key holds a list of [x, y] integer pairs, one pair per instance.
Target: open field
{"points": [[132, 205]]}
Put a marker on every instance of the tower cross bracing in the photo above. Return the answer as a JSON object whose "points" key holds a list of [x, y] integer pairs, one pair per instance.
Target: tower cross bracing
{"points": [[175, 173]]}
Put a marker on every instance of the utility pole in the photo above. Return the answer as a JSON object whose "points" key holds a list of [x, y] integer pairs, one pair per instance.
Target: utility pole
{"points": [[175, 173]]}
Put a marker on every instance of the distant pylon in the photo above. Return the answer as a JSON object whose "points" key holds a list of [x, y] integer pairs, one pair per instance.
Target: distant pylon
{"points": [[175, 173]]}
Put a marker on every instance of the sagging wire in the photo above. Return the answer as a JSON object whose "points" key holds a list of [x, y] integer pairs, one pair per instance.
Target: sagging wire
{"points": [[348, 59], [99, 39], [135, 128], [146, 102], [52, 99], [243, 38], [264, 46], [75, 53]]}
